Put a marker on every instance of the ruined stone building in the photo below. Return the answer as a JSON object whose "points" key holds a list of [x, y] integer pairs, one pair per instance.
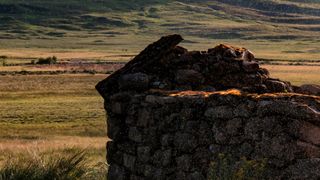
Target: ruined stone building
{"points": [[179, 114]]}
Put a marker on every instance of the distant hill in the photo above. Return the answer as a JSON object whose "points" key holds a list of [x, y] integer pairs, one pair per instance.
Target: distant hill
{"points": [[118, 22]]}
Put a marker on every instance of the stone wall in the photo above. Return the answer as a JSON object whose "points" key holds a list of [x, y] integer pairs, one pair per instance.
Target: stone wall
{"points": [[172, 113], [176, 136]]}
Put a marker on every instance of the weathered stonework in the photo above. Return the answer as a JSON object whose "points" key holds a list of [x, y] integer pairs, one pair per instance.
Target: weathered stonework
{"points": [[172, 112]]}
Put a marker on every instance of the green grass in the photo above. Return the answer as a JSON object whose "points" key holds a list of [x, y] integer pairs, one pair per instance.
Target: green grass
{"points": [[63, 105]]}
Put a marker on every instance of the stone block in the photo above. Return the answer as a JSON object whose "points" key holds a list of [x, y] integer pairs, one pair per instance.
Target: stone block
{"points": [[129, 162], [116, 172], [189, 77], [310, 133], [185, 142], [144, 153], [250, 66], [219, 112], [184, 162], [135, 135], [135, 81]]}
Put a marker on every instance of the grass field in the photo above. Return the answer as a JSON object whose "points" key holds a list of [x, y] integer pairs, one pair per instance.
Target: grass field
{"points": [[51, 113], [297, 75]]}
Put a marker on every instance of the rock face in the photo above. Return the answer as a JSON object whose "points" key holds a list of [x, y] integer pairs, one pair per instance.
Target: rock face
{"points": [[172, 113]]}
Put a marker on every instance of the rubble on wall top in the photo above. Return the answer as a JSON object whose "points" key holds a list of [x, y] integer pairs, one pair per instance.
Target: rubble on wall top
{"points": [[166, 66]]}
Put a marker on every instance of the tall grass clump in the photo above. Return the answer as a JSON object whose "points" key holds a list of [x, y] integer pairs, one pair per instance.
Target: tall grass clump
{"points": [[44, 166]]}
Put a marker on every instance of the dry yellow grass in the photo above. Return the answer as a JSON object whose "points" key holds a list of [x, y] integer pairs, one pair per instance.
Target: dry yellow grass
{"points": [[297, 75], [52, 143], [63, 54], [102, 68]]}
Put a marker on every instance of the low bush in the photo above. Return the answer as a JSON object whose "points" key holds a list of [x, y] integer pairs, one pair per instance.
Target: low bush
{"points": [[48, 60], [90, 71], [4, 62]]}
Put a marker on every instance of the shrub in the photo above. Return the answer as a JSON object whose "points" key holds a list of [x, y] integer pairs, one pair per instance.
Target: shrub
{"points": [[4, 62], [90, 71], [24, 72], [99, 62], [48, 60], [48, 167]]}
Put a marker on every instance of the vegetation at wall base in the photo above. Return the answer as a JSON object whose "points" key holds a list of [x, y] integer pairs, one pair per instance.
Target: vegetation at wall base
{"points": [[70, 165], [225, 167]]}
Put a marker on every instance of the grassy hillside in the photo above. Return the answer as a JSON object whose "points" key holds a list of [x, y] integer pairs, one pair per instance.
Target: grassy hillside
{"points": [[280, 29]]}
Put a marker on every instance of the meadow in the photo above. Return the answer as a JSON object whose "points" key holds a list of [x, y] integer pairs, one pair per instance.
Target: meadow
{"points": [[297, 75], [45, 114]]}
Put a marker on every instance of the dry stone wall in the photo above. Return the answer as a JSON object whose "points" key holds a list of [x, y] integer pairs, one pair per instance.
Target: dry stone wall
{"points": [[172, 114], [177, 136]]}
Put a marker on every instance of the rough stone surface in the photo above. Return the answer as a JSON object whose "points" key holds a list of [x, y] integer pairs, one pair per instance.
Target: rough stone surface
{"points": [[311, 89], [137, 81], [185, 135], [164, 125], [164, 65]]}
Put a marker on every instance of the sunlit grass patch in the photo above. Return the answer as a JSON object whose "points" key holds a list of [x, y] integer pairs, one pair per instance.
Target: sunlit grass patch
{"points": [[297, 75]]}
